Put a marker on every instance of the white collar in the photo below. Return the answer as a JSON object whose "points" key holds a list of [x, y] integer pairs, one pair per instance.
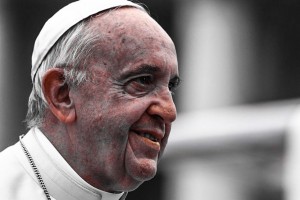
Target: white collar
{"points": [[60, 179]]}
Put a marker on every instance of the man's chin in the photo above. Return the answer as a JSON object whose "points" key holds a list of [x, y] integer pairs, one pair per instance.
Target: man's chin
{"points": [[140, 172], [144, 170]]}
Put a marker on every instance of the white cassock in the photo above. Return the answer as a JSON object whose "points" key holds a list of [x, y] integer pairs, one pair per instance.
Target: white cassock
{"points": [[18, 180]]}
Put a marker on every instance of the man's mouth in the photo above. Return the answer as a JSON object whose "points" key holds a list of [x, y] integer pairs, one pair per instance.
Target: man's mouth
{"points": [[146, 142], [148, 136]]}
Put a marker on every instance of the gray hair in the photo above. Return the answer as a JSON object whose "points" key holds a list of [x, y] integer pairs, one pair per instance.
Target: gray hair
{"points": [[71, 53]]}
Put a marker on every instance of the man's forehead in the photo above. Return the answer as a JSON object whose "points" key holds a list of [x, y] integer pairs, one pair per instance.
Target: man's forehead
{"points": [[123, 20], [129, 34]]}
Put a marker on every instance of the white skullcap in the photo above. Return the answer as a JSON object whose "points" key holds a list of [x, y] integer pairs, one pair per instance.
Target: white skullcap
{"points": [[63, 20]]}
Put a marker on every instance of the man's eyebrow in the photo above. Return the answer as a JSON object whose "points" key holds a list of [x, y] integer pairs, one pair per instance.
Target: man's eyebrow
{"points": [[143, 69]]}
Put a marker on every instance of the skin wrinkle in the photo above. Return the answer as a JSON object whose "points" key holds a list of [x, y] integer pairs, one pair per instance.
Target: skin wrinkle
{"points": [[101, 144]]}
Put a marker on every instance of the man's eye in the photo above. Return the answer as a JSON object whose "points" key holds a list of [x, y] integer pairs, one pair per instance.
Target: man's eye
{"points": [[140, 86], [173, 84], [144, 80]]}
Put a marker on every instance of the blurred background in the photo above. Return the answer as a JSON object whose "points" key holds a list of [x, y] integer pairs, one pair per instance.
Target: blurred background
{"points": [[235, 137]]}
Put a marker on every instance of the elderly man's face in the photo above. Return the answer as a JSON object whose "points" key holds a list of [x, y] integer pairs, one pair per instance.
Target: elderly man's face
{"points": [[124, 113]]}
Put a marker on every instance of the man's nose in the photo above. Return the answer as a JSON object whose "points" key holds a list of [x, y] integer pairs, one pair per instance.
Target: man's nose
{"points": [[164, 107]]}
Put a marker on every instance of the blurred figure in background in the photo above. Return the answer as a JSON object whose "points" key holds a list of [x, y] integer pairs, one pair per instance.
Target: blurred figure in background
{"points": [[292, 160]]}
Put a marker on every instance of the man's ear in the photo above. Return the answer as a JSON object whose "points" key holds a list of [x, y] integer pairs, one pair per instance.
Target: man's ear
{"points": [[57, 94]]}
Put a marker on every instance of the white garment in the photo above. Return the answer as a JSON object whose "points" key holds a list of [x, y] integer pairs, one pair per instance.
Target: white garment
{"points": [[18, 181]]}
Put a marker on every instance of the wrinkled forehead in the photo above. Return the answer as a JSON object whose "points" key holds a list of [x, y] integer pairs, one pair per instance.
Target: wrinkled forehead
{"points": [[125, 19], [129, 27]]}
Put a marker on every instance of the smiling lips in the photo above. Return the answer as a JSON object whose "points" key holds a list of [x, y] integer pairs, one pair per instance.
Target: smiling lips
{"points": [[149, 136], [148, 140]]}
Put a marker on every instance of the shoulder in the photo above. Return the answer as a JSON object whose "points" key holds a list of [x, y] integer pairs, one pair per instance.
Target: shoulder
{"points": [[8, 161], [16, 183]]}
